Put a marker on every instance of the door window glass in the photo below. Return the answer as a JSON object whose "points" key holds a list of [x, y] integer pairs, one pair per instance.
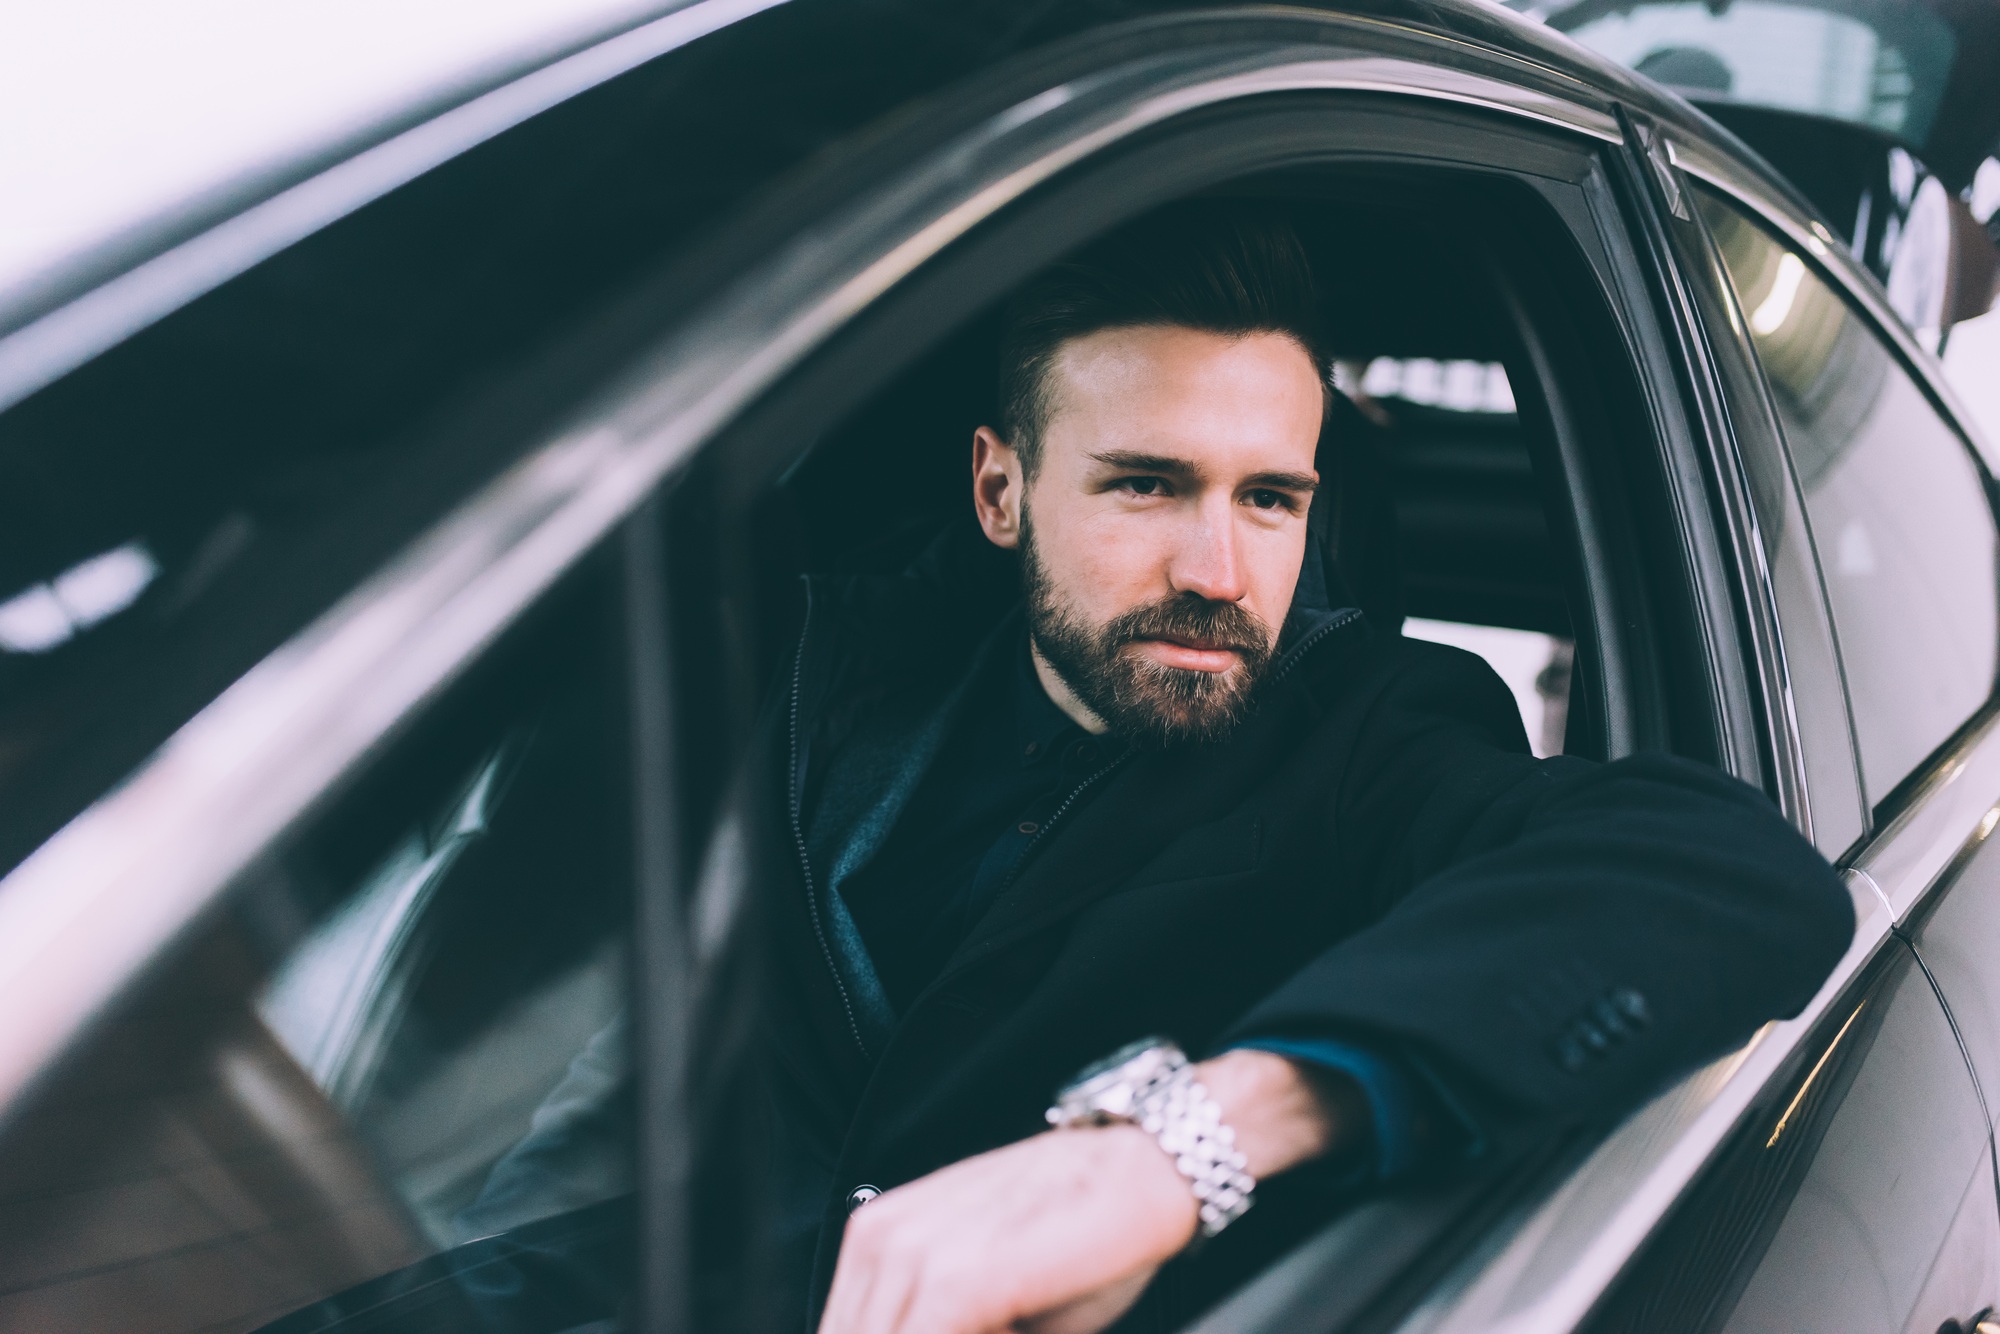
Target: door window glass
{"points": [[1896, 502], [393, 1077]]}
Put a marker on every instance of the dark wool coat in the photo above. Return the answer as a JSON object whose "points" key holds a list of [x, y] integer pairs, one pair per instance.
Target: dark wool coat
{"points": [[1374, 856]]}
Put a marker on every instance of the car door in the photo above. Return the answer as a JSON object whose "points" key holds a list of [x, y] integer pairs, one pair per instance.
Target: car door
{"points": [[1901, 507], [1864, 1199], [391, 1072]]}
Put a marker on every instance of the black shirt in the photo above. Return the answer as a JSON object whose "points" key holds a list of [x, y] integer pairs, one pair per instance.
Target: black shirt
{"points": [[1007, 769]]}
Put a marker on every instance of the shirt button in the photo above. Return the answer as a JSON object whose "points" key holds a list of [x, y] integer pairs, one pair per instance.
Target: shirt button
{"points": [[1082, 752], [1034, 749], [1026, 827], [860, 1195]]}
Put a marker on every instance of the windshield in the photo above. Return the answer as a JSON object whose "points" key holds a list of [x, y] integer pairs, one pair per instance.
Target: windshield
{"points": [[1880, 63]]}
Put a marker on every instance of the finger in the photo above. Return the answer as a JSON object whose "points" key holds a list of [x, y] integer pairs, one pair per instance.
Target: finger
{"points": [[854, 1278], [890, 1298]]}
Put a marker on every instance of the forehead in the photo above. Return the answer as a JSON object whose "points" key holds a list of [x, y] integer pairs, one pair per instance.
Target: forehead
{"points": [[1254, 398]]}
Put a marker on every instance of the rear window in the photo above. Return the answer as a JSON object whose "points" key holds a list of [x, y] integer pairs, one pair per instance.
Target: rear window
{"points": [[1897, 504]]}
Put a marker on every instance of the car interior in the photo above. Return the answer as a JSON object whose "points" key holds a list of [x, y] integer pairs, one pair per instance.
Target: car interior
{"points": [[1440, 521]]}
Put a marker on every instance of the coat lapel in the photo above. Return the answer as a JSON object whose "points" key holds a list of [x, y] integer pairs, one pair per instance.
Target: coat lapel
{"points": [[1146, 803]]}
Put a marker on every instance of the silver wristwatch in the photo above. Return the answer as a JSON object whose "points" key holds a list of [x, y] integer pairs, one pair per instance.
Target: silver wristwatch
{"points": [[1151, 1085]]}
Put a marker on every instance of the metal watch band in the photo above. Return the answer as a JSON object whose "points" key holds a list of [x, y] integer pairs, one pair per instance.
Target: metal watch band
{"points": [[1154, 1088]]}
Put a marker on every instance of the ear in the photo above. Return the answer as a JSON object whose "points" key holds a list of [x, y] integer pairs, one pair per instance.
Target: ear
{"points": [[997, 487]]}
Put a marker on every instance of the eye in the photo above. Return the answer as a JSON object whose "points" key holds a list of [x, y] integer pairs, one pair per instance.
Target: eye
{"points": [[1144, 486], [1264, 498]]}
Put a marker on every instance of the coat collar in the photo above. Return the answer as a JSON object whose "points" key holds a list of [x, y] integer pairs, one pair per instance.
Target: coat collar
{"points": [[1146, 798]]}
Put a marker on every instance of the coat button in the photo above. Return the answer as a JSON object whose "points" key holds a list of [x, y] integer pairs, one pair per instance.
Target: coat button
{"points": [[1632, 1005], [860, 1195]]}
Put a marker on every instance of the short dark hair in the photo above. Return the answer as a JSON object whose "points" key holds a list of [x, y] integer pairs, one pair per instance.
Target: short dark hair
{"points": [[1225, 268]]}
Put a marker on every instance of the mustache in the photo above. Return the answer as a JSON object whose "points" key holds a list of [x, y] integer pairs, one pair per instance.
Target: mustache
{"points": [[1196, 621]]}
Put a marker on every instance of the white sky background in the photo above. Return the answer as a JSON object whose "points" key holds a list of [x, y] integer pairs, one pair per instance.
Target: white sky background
{"points": [[113, 111]]}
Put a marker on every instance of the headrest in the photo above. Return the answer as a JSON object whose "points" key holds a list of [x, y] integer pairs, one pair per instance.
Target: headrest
{"points": [[1353, 521]]}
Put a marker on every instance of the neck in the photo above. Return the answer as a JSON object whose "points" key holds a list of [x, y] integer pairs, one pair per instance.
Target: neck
{"points": [[1064, 698]]}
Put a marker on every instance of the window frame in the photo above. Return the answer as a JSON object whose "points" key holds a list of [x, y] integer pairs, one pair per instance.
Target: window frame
{"points": [[1814, 245], [1831, 807]]}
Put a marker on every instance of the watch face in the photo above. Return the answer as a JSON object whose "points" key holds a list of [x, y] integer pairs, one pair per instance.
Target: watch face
{"points": [[1116, 1059], [1112, 1070]]}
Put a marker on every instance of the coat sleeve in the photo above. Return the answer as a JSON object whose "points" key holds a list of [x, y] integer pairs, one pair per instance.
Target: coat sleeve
{"points": [[1558, 937]]}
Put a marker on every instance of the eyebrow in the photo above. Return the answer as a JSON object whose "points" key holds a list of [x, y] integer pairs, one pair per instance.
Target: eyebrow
{"points": [[1168, 466], [1284, 481]]}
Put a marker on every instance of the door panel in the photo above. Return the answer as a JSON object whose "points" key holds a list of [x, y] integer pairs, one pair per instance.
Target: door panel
{"points": [[1966, 1273], [1958, 937], [1857, 1195], [1893, 1225]]}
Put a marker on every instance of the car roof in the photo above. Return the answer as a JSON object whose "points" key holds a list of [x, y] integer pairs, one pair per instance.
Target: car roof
{"points": [[135, 124]]}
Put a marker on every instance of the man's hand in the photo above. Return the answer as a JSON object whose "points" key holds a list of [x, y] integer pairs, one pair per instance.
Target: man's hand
{"points": [[1059, 1234]]}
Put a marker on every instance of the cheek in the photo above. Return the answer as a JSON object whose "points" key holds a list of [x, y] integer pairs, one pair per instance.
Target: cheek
{"points": [[1275, 557], [1110, 562]]}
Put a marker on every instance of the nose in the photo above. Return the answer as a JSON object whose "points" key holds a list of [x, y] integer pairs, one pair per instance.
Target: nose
{"points": [[1206, 560]]}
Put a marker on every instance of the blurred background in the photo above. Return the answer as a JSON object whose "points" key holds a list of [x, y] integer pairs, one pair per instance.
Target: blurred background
{"points": [[1884, 113]]}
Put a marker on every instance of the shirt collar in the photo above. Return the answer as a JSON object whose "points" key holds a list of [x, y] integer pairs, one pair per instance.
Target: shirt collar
{"points": [[1040, 728]]}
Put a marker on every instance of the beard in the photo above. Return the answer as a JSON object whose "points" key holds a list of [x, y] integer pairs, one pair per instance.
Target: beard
{"points": [[1148, 703]]}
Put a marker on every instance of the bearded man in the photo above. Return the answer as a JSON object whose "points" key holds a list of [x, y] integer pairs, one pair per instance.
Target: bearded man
{"points": [[1147, 787]]}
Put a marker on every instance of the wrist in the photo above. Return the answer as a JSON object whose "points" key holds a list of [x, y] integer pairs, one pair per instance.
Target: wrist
{"points": [[1128, 1153], [1151, 1084], [1283, 1115]]}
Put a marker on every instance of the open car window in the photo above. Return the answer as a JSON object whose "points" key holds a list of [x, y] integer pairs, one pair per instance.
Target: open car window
{"points": [[1478, 501]]}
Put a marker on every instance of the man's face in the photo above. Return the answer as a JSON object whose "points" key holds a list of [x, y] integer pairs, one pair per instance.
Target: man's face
{"points": [[1164, 528]]}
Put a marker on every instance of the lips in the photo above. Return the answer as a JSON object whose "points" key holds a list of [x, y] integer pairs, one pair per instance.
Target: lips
{"points": [[1192, 654], [1197, 642]]}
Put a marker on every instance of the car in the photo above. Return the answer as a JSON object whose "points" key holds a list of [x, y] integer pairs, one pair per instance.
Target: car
{"points": [[398, 551]]}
